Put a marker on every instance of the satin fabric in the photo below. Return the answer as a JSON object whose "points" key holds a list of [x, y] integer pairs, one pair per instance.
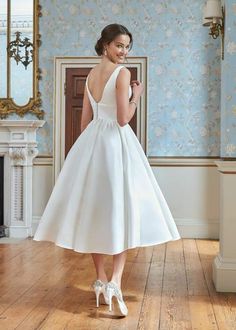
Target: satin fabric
{"points": [[106, 198]]}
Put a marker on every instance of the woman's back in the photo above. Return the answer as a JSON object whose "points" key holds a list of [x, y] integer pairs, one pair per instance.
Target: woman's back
{"points": [[105, 106], [98, 78]]}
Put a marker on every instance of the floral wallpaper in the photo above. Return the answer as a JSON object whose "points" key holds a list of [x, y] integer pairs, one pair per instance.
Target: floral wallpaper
{"points": [[228, 85], [184, 66]]}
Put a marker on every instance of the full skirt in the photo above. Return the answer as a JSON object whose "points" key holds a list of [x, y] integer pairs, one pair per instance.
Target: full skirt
{"points": [[106, 198]]}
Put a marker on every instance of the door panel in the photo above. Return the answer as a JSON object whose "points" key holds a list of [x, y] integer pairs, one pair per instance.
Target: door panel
{"points": [[74, 93]]}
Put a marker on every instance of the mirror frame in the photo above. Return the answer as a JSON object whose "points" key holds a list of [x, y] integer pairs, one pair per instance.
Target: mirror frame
{"points": [[7, 105]]}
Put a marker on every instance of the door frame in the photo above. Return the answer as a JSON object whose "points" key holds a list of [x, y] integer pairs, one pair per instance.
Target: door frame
{"points": [[60, 65]]}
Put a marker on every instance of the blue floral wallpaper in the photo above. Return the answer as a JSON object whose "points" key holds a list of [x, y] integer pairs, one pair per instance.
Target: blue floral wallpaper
{"points": [[184, 67], [228, 85]]}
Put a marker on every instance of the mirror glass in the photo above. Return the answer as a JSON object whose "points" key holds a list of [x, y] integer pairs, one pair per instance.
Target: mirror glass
{"points": [[19, 72], [21, 78], [3, 46]]}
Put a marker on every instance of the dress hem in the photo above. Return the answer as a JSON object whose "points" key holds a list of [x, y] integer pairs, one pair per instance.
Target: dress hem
{"points": [[110, 253]]}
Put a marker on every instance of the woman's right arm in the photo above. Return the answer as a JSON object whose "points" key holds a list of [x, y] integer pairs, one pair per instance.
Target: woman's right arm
{"points": [[125, 109]]}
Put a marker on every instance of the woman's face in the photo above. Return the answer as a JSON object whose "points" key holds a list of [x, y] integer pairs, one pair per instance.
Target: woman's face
{"points": [[118, 49]]}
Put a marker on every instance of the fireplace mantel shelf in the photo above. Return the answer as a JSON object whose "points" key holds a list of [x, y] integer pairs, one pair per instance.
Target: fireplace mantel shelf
{"points": [[21, 123]]}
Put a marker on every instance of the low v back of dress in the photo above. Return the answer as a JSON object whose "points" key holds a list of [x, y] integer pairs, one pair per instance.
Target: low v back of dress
{"points": [[106, 108], [106, 198]]}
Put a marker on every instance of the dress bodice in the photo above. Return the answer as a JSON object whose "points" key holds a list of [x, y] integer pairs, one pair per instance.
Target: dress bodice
{"points": [[106, 108]]}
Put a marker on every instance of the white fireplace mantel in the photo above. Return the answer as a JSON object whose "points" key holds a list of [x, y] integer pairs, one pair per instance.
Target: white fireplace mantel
{"points": [[18, 146]]}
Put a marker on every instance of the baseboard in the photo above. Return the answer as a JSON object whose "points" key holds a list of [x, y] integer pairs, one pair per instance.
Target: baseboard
{"points": [[198, 228], [224, 274], [19, 232]]}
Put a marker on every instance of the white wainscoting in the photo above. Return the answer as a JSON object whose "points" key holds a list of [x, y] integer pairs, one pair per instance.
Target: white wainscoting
{"points": [[190, 187], [192, 193]]}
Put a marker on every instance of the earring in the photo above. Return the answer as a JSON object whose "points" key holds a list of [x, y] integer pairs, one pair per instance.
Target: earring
{"points": [[105, 52]]}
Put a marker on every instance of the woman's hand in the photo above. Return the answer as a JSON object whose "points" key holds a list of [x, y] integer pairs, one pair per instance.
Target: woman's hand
{"points": [[137, 88]]}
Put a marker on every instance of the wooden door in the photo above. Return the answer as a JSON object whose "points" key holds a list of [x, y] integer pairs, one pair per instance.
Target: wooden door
{"points": [[74, 93]]}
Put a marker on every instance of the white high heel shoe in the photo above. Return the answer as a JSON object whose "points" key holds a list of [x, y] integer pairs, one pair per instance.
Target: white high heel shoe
{"points": [[113, 290], [99, 287]]}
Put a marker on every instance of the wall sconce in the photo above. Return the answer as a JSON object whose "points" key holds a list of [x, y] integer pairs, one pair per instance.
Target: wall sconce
{"points": [[214, 18]]}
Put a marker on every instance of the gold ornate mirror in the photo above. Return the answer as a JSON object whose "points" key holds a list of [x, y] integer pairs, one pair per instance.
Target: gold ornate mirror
{"points": [[19, 71]]}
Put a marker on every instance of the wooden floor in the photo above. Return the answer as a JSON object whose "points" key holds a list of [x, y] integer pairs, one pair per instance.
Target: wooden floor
{"points": [[170, 286]]}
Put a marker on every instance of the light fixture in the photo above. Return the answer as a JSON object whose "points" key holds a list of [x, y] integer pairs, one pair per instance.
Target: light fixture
{"points": [[214, 18]]}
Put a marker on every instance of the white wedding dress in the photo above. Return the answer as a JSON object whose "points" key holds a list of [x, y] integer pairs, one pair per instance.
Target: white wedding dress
{"points": [[106, 198]]}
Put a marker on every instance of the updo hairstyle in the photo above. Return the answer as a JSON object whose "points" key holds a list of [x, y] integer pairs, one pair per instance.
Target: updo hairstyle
{"points": [[108, 34]]}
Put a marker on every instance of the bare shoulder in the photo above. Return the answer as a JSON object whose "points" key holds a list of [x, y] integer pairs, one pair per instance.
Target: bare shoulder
{"points": [[94, 69], [125, 72], [124, 75]]}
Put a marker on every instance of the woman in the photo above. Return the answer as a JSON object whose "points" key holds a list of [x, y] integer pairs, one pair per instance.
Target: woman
{"points": [[113, 200]]}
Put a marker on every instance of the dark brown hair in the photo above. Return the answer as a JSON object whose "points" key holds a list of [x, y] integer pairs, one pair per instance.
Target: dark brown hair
{"points": [[109, 33]]}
